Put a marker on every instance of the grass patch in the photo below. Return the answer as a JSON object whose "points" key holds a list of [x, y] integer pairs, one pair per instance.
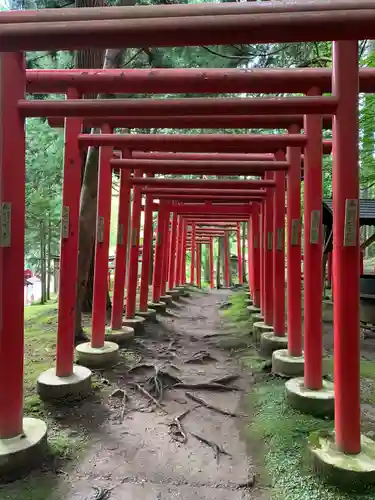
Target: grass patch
{"points": [[283, 431], [40, 349], [64, 445]]}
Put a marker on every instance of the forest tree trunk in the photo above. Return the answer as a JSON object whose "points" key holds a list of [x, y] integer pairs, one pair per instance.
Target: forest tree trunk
{"points": [[87, 220]]}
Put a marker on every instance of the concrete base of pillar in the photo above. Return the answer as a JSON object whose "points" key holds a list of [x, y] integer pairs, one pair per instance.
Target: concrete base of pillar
{"points": [[97, 357], [260, 327], [287, 366], [251, 310], [149, 315], [248, 302], [167, 299], [121, 336], [159, 307], [50, 387], [318, 403], [257, 317], [269, 343], [20, 454], [175, 294], [184, 291], [137, 323], [349, 471]]}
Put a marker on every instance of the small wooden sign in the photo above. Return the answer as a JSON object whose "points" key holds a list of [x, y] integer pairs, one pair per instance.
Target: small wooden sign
{"points": [[255, 242], [100, 229], [269, 240], [120, 234], [294, 234], [351, 223], [5, 219], [314, 227], [65, 222], [280, 238]]}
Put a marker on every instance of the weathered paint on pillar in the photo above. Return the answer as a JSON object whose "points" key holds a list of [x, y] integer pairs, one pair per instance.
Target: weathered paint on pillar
{"points": [[131, 292], [71, 192], [239, 253], [121, 250], [268, 252], [294, 249], [12, 249], [345, 182], [103, 217], [312, 260], [146, 253], [279, 250]]}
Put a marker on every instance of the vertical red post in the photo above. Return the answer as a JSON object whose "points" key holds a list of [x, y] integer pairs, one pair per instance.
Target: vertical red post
{"points": [[262, 255], [103, 216], [178, 263], [192, 254], [226, 260], [183, 256], [329, 270], [146, 253], [71, 192], [158, 256], [211, 250], [239, 253], [121, 249], [312, 259], [250, 251], [166, 239], [172, 252], [255, 254], [294, 249], [199, 264], [268, 253], [345, 180], [12, 174], [279, 250], [131, 292]]}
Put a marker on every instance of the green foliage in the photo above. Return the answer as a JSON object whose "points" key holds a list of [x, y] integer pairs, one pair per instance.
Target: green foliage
{"points": [[44, 162]]}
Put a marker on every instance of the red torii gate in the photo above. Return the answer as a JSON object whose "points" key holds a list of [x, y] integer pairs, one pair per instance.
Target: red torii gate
{"points": [[183, 25]]}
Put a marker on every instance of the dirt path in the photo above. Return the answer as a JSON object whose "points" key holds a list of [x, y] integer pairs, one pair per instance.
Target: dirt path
{"points": [[137, 458]]}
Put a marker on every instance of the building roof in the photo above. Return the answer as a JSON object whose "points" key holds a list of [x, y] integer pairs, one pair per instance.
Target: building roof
{"points": [[366, 212]]}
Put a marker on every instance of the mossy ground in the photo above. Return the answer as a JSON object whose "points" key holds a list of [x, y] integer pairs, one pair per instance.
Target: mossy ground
{"points": [[281, 433], [66, 442]]}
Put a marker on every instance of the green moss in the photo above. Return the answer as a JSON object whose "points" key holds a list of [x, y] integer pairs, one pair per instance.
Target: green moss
{"points": [[284, 433], [64, 445]]}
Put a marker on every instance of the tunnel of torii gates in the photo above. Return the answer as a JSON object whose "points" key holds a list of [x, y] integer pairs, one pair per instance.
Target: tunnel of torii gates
{"points": [[275, 161]]}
